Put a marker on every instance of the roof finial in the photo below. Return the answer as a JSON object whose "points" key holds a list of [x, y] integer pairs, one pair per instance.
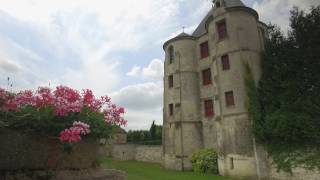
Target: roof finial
{"points": [[183, 29]]}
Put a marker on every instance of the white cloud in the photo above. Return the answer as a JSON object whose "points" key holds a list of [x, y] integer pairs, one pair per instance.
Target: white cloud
{"points": [[277, 11], [135, 71], [140, 96], [142, 119], [143, 103], [74, 42], [154, 70]]}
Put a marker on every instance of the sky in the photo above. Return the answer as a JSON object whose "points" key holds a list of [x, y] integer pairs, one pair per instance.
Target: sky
{"points": [[111, 47]]}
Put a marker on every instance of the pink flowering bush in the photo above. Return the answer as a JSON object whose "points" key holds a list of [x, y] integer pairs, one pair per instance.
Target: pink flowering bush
{"points": [[63, 112], [73, 134]]}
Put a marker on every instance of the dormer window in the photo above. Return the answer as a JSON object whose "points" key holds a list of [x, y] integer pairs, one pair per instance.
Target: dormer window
{"points": [[218, 4], [171, 54]]}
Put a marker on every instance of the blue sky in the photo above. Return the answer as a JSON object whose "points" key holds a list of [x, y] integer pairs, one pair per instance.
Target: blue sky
{"points": [[112, 47]]}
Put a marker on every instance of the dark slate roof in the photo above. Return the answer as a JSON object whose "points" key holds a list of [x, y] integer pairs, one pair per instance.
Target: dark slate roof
{"points": [[183, 34], [201, 29], [233, 3]]}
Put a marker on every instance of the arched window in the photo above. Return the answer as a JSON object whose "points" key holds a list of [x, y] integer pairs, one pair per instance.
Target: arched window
{"points": [[171, 54]]}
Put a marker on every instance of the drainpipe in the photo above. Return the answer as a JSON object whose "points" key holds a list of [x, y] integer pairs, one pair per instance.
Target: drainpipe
{"points": [[181, 130]]}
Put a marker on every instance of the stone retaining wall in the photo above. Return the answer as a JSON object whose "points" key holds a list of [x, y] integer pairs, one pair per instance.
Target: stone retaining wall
{"points": [[149, 154], [33, 152], [144, 153], [297, 174]]}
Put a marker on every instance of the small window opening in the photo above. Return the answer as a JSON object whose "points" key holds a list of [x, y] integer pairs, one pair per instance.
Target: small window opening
{"points": [[218, 4], [231, 163], [170, 79], [171, 109], [171, 54]]}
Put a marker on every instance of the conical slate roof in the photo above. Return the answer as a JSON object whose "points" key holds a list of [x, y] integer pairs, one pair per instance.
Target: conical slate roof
{"points": [[233, 3], [183, 34], [201, 29]]}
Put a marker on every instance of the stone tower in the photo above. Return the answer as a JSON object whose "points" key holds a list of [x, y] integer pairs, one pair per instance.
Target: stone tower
{"points": [[204, 89]]}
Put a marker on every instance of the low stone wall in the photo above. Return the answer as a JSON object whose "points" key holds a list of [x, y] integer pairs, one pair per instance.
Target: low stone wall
{"points": [[297, 174], [149, 154], [25, 151], [86, 174], [144, 153], [266, 169], [123, 151]]}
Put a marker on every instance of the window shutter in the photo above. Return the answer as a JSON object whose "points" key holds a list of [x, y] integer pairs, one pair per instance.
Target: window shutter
{"points": [[208, 108], [229, 98], [204, 49], [225, 62], [206, 77], [222, 29]]}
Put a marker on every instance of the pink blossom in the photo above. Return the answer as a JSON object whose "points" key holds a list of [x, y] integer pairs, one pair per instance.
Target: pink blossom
{"points": [[88, 97], [113, 115], [44, 97], [69, 135], [73, 134], [82, 127], [25, 98]]}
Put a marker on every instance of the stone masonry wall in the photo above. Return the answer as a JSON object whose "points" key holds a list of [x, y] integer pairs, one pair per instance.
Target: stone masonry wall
{"points": [[31, 152], [149, 154], [144, 153]]}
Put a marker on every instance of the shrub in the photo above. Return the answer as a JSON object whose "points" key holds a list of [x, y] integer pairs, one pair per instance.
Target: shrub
{"points": [[205, 161], [63, 112]]}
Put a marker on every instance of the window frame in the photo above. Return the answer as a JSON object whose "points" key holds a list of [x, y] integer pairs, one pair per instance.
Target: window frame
{"points": [[208, 108], [225, 62], [204, 50], [229, 98], [222, 35], [206, 77]]}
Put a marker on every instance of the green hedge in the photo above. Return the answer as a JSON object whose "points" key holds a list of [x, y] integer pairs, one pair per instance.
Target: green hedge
{"points": [[205, 161]]}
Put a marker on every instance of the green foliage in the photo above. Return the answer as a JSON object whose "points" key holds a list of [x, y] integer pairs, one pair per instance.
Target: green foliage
{"points": [[151, 137], [285, 108], [43, 122], [205, 161], [153, 131]]}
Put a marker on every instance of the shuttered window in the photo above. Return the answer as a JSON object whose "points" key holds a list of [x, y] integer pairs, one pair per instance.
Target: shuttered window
{"points": [[204, 49], [222, 29], [206, 77], [208, 108], [229, 98], [225, 62]]}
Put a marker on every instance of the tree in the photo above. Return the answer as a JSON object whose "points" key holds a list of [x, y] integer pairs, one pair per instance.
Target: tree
{"points": [[288, 93], [153, 131]]}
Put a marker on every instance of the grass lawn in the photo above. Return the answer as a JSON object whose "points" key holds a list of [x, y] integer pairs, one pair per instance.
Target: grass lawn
{"points": [[149, 171]]}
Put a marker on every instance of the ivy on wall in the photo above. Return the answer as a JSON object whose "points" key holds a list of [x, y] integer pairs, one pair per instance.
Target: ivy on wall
{"points": [[285, 106]]}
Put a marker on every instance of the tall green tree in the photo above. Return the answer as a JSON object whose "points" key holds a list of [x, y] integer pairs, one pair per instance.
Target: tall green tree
{"points": [[289, 93], [153, 131]]}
